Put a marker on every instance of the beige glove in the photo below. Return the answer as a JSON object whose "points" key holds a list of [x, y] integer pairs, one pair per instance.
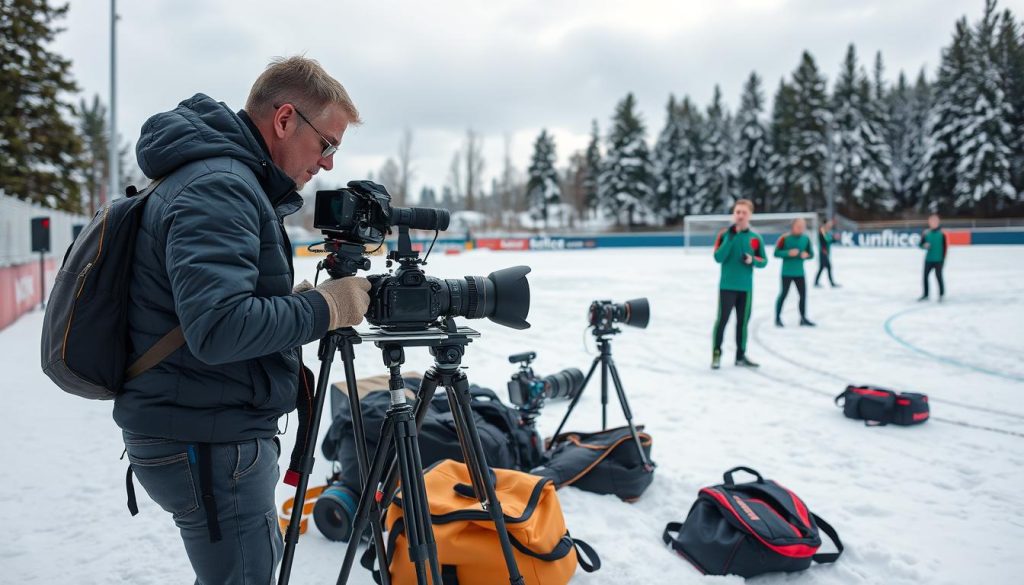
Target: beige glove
{"points": [[347, 299], [302, 286]]}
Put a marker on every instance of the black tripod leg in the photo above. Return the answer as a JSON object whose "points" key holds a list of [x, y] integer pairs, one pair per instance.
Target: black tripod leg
{"points": [[628, 414], [348, 359], [415, 507], [489, 499], [328, 345], [381, 457], [576, 398], [604, 393], [423, 397]]}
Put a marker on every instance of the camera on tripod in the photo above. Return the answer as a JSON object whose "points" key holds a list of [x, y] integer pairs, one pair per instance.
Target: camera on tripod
{"points": [[603, 315], [408, 299], [528, 391]]}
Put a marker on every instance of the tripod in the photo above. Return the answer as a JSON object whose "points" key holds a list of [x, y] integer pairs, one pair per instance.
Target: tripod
{"points": [[604, 342], [338, 340], [398, 451]]}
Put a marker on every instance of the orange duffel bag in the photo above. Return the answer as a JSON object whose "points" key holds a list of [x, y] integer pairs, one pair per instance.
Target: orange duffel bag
{"points": [[468, 549]]}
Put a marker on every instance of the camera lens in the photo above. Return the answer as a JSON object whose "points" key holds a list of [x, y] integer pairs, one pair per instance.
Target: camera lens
{"points": [[636, 313], [334, 512], [421, 218], [565, 384], [503, 297]]}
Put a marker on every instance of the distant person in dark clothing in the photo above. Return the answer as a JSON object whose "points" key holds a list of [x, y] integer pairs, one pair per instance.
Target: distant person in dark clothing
{"points": [[935, 241], [794, 247], [825, 252]]}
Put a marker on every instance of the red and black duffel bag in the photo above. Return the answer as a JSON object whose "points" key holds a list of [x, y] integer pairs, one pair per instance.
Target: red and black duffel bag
{"points": [[750, 528], [878, 406]]}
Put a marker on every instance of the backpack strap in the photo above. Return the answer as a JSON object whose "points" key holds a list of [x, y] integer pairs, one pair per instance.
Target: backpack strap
{"points": [[833, 535], [167, 345]]}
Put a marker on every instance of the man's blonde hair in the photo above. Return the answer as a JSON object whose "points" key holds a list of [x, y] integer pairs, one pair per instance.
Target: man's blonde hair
{"points": [[747, 202], [301, 82]]}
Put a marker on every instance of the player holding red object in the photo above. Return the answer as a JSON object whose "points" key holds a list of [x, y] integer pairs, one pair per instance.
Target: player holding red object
{"points": [[739, 250]]}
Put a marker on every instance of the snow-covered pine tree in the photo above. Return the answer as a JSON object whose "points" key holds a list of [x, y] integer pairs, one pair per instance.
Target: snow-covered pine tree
{"points": [[626, 181], [542, 188], [669, 166], [860, 156], [715, 187], [985, 137], [592, 170], [1010, 60], [809, 151], [753, 149], [782, 161], [878, 176], [937, 173], [691, 125], [904, 136]]}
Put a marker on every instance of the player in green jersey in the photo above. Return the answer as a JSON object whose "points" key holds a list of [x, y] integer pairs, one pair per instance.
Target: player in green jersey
{"points": [[794, 247], [739, 250], [935, 241]]}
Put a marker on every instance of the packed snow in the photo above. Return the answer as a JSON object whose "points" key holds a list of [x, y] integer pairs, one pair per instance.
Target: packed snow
{"points": [[937, 503]]}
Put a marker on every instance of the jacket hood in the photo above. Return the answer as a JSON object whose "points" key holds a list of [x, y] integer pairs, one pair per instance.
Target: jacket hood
{"points": [[201, 128]]}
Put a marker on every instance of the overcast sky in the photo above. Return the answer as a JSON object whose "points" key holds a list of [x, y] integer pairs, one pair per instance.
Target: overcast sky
{"points": [[501, 67]]}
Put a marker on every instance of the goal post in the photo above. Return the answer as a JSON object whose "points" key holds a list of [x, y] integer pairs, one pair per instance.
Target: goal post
{"points": [[701, 230]]}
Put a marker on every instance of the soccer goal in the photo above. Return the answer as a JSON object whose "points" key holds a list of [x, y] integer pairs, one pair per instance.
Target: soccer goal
{"points": [[701, 230]]}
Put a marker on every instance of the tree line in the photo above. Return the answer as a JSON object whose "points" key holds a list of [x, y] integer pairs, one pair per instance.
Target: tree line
{"points": [[861, 146]]}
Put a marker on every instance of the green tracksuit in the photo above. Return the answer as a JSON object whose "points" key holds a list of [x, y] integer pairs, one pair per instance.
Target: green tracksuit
{"points": [[736, 284], [793, 269], [793, 266], [935, 259]]}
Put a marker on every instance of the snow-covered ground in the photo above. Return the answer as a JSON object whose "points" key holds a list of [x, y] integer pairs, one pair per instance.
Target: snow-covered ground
{"points": [[939, 503]]}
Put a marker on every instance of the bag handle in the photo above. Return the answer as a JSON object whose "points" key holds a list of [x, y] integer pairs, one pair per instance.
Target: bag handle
{"points": [[727, 476], [833, 535]]}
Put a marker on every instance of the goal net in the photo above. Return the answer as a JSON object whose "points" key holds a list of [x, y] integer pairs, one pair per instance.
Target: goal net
{"points": [[701, 230]]}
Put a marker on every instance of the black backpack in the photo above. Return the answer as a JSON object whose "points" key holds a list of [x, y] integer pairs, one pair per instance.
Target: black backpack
{"points": [[750, 528], [85, 345], [878, 406], [507, 443], [605, 462]]}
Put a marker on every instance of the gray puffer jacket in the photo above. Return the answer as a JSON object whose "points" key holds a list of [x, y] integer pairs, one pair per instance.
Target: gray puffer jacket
{"points": [[212, 255]]}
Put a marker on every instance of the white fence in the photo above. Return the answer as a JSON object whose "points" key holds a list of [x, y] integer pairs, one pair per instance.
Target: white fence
{"points": [[16, 230]]}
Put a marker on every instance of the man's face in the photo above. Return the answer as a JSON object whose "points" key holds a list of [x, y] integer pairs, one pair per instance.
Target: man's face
{"points": [[741, 216], [799, 226], [933, 221], [298, 145]]}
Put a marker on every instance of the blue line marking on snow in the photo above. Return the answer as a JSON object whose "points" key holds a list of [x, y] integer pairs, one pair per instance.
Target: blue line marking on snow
{"points": [[937, 357]]}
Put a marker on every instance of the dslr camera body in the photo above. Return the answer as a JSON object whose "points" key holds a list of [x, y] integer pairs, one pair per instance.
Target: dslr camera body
{"points": [[407, 299], [528, 391]]}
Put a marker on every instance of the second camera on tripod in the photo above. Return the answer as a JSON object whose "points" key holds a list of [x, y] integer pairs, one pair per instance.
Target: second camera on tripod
{"points": [[528, 391]]}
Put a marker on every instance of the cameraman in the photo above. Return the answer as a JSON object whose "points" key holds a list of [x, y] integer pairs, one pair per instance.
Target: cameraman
{"points": [[212, 256]]}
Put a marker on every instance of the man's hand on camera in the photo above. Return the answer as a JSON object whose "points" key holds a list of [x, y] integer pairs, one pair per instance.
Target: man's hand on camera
{"points": [[347, 299]]}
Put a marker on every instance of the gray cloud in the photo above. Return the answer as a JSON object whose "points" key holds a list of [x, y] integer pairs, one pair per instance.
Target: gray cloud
{"points": [[500, 67]]}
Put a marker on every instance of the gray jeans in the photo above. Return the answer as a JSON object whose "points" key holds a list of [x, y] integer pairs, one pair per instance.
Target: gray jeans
{"points": [[244, 477]]}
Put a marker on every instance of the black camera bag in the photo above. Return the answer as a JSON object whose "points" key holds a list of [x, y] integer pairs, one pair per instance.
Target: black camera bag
{"points": [[606, 462], [507, 443], [750, 528], [878, 406]]}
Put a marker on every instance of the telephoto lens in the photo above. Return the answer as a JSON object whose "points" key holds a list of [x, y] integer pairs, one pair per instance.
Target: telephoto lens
{"points": [[565, 384], [335, 511]]}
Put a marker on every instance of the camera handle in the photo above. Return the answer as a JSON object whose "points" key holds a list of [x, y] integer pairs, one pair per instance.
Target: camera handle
{"points": [[607, 367], [338, 340]]}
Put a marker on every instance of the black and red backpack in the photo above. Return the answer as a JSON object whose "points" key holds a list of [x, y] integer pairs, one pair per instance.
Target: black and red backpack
{"points": [[879, 406], [750, 528]]}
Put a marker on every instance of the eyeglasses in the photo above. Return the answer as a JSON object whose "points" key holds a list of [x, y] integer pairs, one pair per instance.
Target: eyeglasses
{"points": [[329, 147]]}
